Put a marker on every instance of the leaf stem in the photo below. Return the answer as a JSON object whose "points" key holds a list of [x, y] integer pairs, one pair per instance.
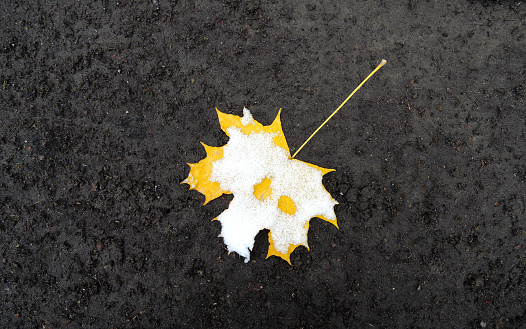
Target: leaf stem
{"points": [[382, 63]]}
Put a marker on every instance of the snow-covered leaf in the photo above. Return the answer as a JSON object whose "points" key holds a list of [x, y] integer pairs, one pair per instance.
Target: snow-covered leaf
{"points": [[271, 190]]}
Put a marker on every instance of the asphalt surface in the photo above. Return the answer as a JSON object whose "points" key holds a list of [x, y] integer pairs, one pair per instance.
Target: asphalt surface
{"points": [[102, 104]]}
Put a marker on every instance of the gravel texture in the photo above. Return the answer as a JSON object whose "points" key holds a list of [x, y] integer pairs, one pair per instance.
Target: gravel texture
{"points": [[102, 104]]}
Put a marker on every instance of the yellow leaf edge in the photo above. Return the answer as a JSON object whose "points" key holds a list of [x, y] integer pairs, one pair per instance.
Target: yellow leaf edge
{"points": [[199, 176]]}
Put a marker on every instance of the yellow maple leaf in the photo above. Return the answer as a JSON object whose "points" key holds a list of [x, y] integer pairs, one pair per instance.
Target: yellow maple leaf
{"points": [[271, 190]]}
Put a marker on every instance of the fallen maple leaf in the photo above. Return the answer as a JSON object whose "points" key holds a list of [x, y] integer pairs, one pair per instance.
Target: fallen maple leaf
{"points": [[271, 190]]}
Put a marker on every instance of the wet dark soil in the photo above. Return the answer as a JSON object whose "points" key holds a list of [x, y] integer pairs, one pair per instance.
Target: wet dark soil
{"points": [[102, 104]]}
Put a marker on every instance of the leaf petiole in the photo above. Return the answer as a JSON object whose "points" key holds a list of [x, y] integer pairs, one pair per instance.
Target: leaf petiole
{"points": [[382, 63]]}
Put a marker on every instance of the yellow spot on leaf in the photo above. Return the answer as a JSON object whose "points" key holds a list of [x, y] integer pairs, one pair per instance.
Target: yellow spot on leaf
{"points": [[286, 205], [262, 190]]}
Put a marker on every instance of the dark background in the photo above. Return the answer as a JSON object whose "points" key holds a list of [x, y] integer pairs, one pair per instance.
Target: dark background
{"points": [[102, 104]]}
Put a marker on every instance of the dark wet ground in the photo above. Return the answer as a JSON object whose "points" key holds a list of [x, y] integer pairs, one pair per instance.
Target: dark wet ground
{"points": [[103, 103]]}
